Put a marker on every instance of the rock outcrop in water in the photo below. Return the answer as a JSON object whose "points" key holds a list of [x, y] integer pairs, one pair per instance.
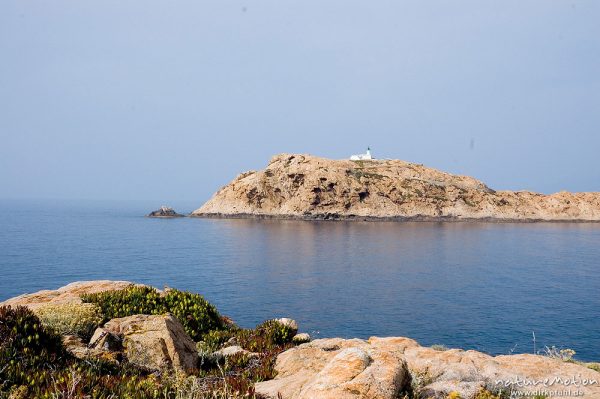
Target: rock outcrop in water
{"points": [[165, 212], [309, 187]]}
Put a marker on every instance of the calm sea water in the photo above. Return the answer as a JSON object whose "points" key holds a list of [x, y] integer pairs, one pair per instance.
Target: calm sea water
{"points": [[470, 285]]}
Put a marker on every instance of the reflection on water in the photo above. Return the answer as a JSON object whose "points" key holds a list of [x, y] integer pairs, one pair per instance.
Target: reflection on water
{"points": [[471, 285]]}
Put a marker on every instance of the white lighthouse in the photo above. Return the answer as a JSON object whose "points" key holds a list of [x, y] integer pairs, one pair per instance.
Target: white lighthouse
{"points": [[362, 157]]}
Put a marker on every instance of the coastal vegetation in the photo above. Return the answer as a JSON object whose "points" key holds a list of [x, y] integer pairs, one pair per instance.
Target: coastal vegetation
{"points": [[71, 319], [195, 313], [35, 363], [142, 347]]}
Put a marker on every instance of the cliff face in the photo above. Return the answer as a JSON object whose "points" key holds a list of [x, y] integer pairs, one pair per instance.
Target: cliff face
{"points": [[304, 186]]}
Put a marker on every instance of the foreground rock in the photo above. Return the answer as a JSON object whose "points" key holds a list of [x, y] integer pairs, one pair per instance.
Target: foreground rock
{"points": [[301, 338], [326, 368], [338, 369], [156, 342], [70, 293], [165, 212], [379, 368], [304, 186]]}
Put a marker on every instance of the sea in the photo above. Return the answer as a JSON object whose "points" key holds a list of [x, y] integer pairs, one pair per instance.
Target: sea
{"points": [[492, 287]]}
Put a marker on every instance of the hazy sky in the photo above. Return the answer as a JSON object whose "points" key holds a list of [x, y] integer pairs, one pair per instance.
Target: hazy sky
{"points": [[169, 100]]}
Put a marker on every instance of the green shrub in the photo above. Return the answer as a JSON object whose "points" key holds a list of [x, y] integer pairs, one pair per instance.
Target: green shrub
{"points": [[593, 366], [195, 313], [275, 332], [27, 349], [213, 340], [71, 318], [35, 364], [127, 302], [265, 337]]}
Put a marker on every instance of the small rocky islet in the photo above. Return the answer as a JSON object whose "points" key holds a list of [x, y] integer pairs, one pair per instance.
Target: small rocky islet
{"points": [[110, 339], [164, 212]]}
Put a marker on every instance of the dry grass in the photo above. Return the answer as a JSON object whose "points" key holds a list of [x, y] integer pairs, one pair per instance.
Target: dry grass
{"points": [[566, 355], [439, 347], [71, 318]]}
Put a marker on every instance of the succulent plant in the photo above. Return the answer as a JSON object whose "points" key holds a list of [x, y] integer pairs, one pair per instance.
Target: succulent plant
{"points": [[195, 313], [35, 364], [28, 350]]}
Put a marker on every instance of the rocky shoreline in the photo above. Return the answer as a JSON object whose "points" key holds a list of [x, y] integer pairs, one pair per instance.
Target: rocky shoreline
{"points": [[166, 333], [355, 218], [305, 187]]}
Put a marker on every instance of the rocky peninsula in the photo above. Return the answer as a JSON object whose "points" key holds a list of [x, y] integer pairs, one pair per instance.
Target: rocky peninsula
{"points": [[308, 187], [101, 339]]}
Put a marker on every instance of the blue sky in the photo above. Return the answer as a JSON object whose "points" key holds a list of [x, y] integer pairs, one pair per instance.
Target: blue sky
{"points": [[169, 100]]}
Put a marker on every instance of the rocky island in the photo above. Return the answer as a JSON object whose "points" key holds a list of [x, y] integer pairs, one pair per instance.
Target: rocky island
{"points": [[164, 212], [308, 187], [116, 339]]}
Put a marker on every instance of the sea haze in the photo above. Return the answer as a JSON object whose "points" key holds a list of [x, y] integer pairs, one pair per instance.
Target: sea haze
{"points": [[481, 286]]}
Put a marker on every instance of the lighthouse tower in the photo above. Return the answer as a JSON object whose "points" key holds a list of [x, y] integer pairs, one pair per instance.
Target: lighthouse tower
{"points": [[362, 157]]}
